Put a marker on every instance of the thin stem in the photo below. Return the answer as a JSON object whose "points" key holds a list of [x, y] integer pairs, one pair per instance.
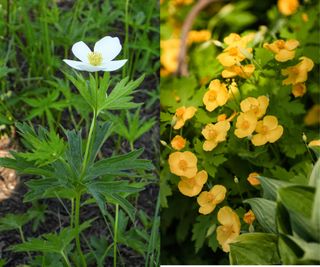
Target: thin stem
{"points": [[126, 40], [76, 226], [72, 213], [131, 146], [115, 236], [65, 257], [23, 239]]}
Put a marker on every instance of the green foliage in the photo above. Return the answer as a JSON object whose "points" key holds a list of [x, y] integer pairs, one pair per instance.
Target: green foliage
{"points": [[284, 202]]}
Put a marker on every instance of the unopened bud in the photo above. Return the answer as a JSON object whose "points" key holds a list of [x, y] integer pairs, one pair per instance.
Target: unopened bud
{"points": [[236, 180], [304, 137], [164, 143]]}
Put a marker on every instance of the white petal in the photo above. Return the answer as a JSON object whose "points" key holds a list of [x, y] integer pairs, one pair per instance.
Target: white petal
{"points": [[78, 65], [113, 65], [74, 64], [81, 51], [109, 47]]}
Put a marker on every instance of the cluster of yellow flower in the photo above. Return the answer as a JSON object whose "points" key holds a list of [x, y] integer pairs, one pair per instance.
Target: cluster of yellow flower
{"points": [[298, 74], [235, 52], [267, 129]]}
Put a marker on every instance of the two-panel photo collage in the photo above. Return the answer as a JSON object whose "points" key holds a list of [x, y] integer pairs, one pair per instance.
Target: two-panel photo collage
{"points": [[148, 133]]}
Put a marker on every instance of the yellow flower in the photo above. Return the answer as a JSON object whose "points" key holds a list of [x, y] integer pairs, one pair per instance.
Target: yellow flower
{"points": [[178, 142], [314, 143], [257, 105], [249, 217], [230, 228], [216, 96], [182, 115], [313, 115], [235, 40], [192, 186], [198, 36], [233, 90], [284, 50], [299, 72], [169, 55], [181, 2], [222, 117], [299, 89], [183, 164], [242, 71], [214, 134], [231, 56], [288, 7], [252, 178], [267, 130], [209, 200], [246, 124]]}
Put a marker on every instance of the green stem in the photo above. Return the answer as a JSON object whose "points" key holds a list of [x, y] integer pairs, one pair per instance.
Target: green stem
{"points": [[131, 146], [76, 226], [65, 257], [115, 237], [23, 239], [72, 213]]}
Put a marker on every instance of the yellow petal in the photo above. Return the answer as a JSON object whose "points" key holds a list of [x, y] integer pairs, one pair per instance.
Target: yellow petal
{"points": [[201, 177], [219, 193], [284, 55], [188, 190], [259, 139], [189, 113], [209, 145], [206, 209], [204, 198], [179, 124], [226, 216], [275, 134], [292, 44], [270, 121]]}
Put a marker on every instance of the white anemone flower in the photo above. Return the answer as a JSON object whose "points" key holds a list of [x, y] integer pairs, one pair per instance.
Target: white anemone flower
{"points": [[101, 59]]}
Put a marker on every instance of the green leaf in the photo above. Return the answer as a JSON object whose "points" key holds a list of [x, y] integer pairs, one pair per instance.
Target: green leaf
{"points": [[199, 230], [52, 242], [13, 221], [254, 249], [270, 187], [289, 251], [315, 174], [120, 165], [121, 96], [74, 151], [265, 212], [102, 133], [298, 199]]}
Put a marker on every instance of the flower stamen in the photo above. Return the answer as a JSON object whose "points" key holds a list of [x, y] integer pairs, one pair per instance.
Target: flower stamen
{"points": [[95, 58]]}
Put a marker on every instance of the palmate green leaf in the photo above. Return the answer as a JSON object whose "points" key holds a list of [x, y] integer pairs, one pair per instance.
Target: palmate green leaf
{"points": [[73, 153], [254, 249], [23, 166], [121, 96], [53, 242], [265, 212], [134, 126], [121, 165], [13, 221], [123, 203], [46, 146]]}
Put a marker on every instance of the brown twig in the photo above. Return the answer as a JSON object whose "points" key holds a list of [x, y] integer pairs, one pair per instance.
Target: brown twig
{"points": [[187, 25]]}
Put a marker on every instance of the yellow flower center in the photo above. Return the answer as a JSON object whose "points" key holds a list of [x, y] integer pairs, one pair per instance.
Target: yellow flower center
{"points": [[264, 130], [179, 112], [95, 58], [280, 44], [254, 108], [183, 165], [245, 125], [233, 51], [212, 134], [212, 96]]}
